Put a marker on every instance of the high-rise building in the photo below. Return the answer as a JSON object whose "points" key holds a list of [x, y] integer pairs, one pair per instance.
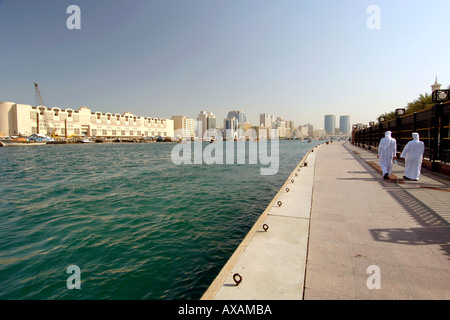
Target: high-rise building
{"points": [[280, 124], [230, 128], [330, 124], [211, 121], [290, 125], [266, 120], [184, 125], [239, 115], [344, 125], [229, 123], [205, 121], [307, 130], [304, 129]]}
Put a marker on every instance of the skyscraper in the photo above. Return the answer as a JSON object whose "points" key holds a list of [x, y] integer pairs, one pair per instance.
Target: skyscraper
{"points": [[280, 124], [344, 125], [330, 124], [230, 128], [184, 125], [266, 120], [290, 125], [239, 115], [205, 121]]}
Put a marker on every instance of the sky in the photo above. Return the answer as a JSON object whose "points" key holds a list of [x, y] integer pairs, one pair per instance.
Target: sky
{"points": [[295, 59]]}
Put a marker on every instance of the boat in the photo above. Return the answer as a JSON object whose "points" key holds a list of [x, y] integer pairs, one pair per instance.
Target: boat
{"points": [[21, 142], [86, 140], [40, 137]]}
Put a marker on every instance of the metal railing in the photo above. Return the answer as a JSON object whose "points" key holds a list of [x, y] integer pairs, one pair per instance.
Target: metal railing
{"points": [[432, 124]]}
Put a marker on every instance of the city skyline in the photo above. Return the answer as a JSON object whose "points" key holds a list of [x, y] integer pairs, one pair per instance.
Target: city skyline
{"points": [[20, 119], [295, 59]]}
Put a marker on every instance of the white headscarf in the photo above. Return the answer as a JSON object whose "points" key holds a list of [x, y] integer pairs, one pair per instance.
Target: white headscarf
{"points": [[387, 140], [415, 136], [388, 135]]}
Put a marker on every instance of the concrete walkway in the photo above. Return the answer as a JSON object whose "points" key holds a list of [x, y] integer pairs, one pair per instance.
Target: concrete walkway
{"points": [[338, 222], [359, 220], [272, 263]]}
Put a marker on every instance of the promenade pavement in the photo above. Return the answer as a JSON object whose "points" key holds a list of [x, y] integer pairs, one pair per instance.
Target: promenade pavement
{"points": [[359, 220], [342, 232]]}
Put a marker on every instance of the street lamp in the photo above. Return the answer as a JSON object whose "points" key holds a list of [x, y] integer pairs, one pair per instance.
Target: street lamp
{"points": [[440, 96], [381, 119], [400, 112]]}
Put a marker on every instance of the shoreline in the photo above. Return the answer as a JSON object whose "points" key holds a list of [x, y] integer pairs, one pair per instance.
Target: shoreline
{"points": [[222, 286]]}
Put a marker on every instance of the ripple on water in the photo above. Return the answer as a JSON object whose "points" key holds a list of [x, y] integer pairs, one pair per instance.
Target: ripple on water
{"points": [[138, 226]]}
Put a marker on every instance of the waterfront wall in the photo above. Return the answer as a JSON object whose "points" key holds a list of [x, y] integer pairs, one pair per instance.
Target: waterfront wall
{"points": [[271, 259]]}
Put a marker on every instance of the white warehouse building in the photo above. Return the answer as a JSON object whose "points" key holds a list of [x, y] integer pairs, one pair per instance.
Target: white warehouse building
{"points": [[19, 119]]}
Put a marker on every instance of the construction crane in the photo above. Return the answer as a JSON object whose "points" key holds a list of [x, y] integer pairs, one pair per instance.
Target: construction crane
{"points": [[39, 101]]}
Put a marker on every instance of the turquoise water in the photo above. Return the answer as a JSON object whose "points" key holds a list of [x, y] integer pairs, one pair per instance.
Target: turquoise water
{"points": [[137, 225]]}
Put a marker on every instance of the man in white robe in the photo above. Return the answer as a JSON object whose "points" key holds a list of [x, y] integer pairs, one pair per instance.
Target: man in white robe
{"points": [[387, 150], [413, 154]]}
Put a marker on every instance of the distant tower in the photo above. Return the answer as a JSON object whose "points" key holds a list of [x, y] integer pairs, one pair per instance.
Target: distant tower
{"points": [[344, 125], [330, 124], [435, 86]]}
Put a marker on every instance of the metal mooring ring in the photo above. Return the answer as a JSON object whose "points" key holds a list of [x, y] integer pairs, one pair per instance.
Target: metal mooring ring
{"points": [[279, 203], [265, 227], [237, 278], [296, 174], [287, 189], [292, 180]]}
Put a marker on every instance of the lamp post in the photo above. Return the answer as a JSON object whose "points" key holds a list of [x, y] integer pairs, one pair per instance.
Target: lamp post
{"points": [[399, 113], [439, 97], [371, 135], [381, 120], [355, 136]]}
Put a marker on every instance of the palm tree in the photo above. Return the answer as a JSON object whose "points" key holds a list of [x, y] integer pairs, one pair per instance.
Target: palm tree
{"points": [[388, 115], [420, 103]]}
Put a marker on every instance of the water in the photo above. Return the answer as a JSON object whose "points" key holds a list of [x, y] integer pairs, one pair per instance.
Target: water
{"points": [[138, 226]]}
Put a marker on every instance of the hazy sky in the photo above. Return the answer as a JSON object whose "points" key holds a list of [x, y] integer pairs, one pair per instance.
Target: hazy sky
{"points": [[291, 58]]}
